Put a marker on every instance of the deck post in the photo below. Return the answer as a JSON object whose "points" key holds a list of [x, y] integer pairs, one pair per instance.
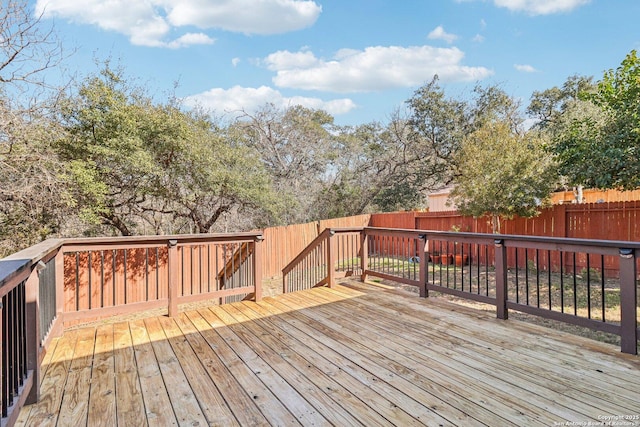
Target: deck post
{"points": [[257, 267], [424, 264], [364, 254], [32, 318], [628, 302], [501, 279], [174, 277], [331, 260], [57, 328]]}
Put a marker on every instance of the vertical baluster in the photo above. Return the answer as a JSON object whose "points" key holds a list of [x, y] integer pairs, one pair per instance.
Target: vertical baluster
{"points": [[575, 287], [77, 295], [124, 261], [588, 286], [602, 288], [561, 281], [486, 269], [517, 278], [549, 276], [526, 273], [89, 268], [538, 278]]}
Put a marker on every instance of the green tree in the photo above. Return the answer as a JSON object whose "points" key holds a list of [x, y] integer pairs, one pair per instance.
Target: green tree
{"points": [[502, 173], [600, 148], [214, 176], [438, 124], [551, 106], [139, 166], [106, 147]]}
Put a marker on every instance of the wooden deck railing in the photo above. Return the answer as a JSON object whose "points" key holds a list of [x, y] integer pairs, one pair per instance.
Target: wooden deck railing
{"points": [[583, 282], [62, 282], [335, 253], [589, 283]]}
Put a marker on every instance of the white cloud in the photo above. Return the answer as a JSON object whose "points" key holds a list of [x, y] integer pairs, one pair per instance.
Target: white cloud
{"points": [[373, 69], [525, 68], [538, 7], [150, 22], [190, 39], [235, 61], [541, 7], [478, 38], [439, 33], [245, 16], [283, 60], [249, 99]]}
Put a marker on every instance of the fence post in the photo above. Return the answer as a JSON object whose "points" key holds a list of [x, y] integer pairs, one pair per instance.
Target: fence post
{"points": [[364, 254], [501, 279], [628, 301], [172, 308], [424, 264], [331, 260], [257, 267]]}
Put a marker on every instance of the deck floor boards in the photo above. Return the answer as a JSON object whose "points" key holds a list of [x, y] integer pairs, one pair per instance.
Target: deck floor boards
{"points": [[353, 355]]}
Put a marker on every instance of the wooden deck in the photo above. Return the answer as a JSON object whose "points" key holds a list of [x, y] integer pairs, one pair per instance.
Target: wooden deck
{"points": [[352, 355]]}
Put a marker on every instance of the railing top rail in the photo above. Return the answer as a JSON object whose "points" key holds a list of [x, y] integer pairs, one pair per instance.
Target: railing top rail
{"points": [[179, 238], [11, 271], [537, 239], [323, 235], [15, 264], [347, 229], [559, 243]]}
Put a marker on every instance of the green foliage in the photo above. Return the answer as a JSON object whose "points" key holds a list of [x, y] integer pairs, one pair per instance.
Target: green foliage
{"points": [[600, 148], [502, 173], [438, 127], [138, 165]]}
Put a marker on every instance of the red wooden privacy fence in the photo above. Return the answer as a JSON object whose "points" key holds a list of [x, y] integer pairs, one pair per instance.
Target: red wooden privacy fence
{"points": [[618, 221]]}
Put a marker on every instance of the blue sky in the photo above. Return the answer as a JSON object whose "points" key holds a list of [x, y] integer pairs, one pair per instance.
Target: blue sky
{"points": [[357, 59]]}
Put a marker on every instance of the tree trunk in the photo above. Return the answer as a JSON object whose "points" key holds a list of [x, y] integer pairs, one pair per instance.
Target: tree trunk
{"points": [[495, 224]]}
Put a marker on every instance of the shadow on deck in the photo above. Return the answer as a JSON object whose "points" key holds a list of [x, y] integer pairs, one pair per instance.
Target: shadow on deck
{"points": [[352, 355]]}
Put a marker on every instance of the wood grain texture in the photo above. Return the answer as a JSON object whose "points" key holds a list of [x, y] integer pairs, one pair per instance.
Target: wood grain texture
{"points": [[355, 355]]}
